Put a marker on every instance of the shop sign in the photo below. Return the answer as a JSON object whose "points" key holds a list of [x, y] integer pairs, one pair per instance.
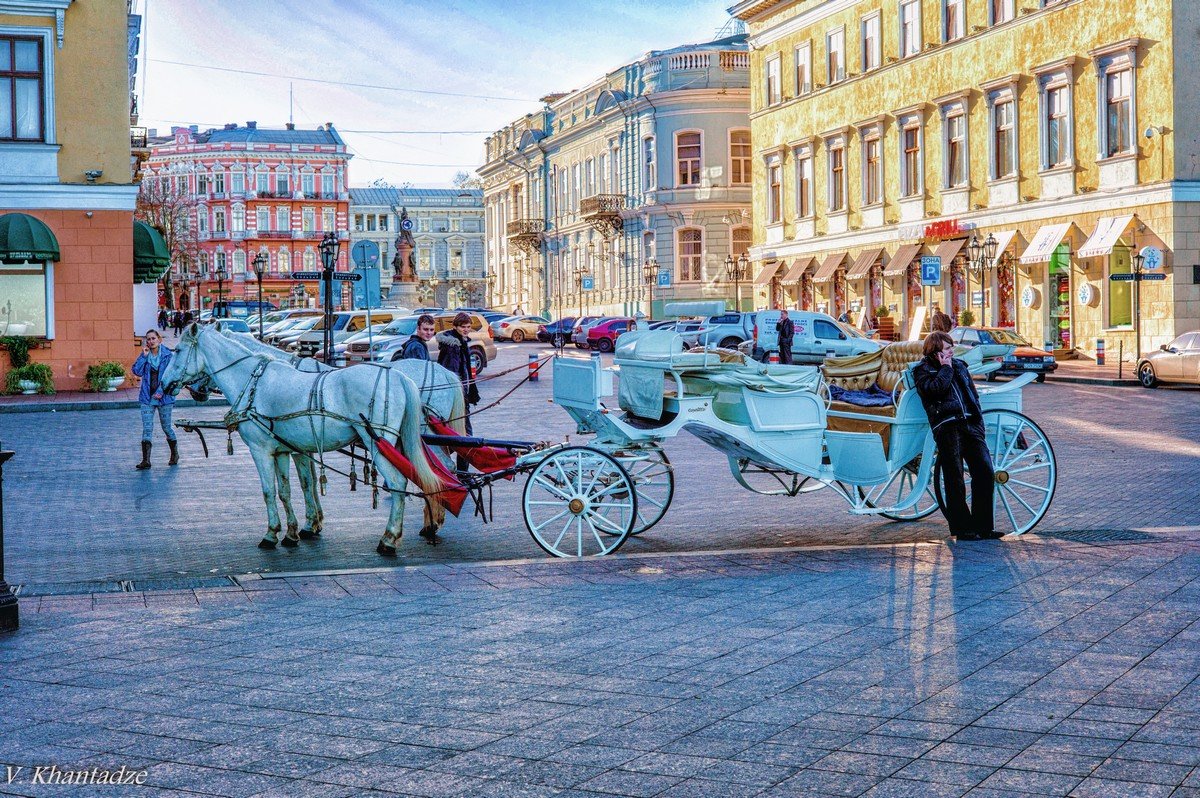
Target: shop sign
{"points": [[936, 231], [1152, 258], [1087, 295], [1030, 297]]}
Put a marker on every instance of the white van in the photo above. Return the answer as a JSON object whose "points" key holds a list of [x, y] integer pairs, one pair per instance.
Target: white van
{"points": [[818, 336]]}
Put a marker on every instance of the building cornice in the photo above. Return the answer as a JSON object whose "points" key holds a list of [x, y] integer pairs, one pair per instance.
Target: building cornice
{"points": [[799, 22], [59, 196]]}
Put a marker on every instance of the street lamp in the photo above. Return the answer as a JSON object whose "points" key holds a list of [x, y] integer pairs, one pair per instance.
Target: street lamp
{"points": [[221, 311], [329, 254], [735, 272], [650, 275], [580, 273], [1136, 261], [260, 264], [982, 257]]}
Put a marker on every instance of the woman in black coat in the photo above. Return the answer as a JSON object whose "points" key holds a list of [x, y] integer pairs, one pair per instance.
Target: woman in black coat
{"points": [[454, 354], [948, 393]]}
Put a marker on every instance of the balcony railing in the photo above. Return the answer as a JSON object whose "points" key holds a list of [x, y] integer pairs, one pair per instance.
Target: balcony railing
{"points": [[526, 227], [603, 212], [273, 234], [138, 139]]}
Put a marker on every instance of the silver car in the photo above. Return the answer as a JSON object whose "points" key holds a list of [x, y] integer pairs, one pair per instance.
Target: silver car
{"points": [[1178, 361]]}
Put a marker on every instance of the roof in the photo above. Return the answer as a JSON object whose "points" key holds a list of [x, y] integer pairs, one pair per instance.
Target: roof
{"points": [[258, 135], [398, 196]]}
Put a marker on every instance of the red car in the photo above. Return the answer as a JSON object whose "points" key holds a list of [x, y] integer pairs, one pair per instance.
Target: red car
{"points": [[603, 336]]}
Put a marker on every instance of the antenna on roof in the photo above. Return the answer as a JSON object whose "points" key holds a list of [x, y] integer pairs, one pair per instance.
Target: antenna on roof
{"points": [[732, 27], [291, 104]]}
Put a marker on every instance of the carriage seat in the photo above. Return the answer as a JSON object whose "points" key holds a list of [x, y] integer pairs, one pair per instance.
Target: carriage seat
{"points": [[884, 367]]}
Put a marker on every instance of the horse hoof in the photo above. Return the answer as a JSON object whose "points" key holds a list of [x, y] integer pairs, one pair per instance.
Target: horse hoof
{"points": [[309, 534], [384, 550], [288, 543], [266, 544]]}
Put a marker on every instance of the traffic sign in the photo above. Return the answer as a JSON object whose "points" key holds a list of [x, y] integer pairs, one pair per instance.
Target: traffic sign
{"points": [[588, 283], [352, 277], [1121, 278], [365, 254], [664, 279], [306, 275], [1125, 278], [931, 270], [1157, 276]]}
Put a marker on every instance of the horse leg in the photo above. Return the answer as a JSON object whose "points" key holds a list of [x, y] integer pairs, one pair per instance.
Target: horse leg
{"points": [[396, 483], [434, 515], [314, 516], [264, 461], [284, 485]]}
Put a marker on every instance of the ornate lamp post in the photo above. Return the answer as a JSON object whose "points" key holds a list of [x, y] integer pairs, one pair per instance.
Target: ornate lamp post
{"points": [[982, 256], [650, 276], [329, 255], [735, 272], [221, 275], [580, 273], [1136, 262], [491, 289], [260, 264]]}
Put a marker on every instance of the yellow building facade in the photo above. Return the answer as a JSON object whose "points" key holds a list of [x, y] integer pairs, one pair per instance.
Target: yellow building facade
{"points": [[1059, 131]]}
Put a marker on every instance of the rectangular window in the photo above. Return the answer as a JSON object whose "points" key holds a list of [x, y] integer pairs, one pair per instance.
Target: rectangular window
{"points": [[954, 20], [221, 262], [261, 183], [649, 173], [835, 55], [384, 224], [329, 216], [691, 252], [739, 157], [219, 182], [804, 176], [803, 63], [201, 184], [21, 89], [687, 159], [872, 173], [1003, 146], [575, 186], [589, 183], [911, 178], [1056, 126], [837, 178], [1118, 122], [238, 183], [370, 220], [870, 43], [774, 193], [956, 150], [774, 91], [327, 186], [282, 184], [910, 27], [1002, 10], [202, 220], [28, 298], [283, 219], [262, 218], [601, 177], [238, 218], [308, 184], [218, 221]]}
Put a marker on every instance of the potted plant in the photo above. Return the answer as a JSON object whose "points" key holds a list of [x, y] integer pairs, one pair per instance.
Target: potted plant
{"points": [[106, 376], [18, 349], [966, 318], [30, 378], [884, 322]]}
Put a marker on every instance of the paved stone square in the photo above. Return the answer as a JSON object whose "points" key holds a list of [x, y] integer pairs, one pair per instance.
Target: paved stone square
{"points": [[993, 669], [78, 512]]}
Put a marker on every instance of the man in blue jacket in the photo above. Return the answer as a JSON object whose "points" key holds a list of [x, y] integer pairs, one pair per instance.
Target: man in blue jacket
{"points": [[417, 345], [149, 367]]}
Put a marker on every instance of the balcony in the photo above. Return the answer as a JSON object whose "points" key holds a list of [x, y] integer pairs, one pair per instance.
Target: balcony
{"points": [[220, 235], [526, 234], [273, 234], [138, 139], [603, 212]]}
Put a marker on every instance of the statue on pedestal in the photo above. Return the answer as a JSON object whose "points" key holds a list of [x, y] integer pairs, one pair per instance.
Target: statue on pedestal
{"points": [[404, 264]]}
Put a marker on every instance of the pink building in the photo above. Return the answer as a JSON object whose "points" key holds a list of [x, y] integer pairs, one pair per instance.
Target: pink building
{"points": [[275, 192]]}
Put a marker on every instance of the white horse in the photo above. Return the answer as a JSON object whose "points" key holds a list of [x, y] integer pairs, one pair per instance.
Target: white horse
{"points": [[280, 411], [441, 394]]}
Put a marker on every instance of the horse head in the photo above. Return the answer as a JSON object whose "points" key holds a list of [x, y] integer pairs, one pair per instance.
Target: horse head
{"points": [[187, 365]]}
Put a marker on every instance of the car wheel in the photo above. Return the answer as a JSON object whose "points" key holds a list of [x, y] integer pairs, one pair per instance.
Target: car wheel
{"points": [[558, 341], [730, 343], [478, 360], [518, 336], [604, 345], [1041, 378], [1146, 376]]}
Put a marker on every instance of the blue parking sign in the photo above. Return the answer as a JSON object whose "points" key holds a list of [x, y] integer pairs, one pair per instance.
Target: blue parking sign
{"points": [[588, 283], [931, 270], [664, 278]]}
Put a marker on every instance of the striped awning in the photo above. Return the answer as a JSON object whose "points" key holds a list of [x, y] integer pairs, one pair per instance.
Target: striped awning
{"points": [[799, 267], [863, 263], [898, 265], [948, 250], [829, 267], [1006, 239], [768, 272], [1045, 241]]}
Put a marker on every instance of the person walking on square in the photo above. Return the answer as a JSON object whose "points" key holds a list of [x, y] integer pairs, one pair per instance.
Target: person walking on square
{"points": [[952, 404], [417, 345], [162, 318], [454, 354], [149, 367], [786, 328], [941, 322]]}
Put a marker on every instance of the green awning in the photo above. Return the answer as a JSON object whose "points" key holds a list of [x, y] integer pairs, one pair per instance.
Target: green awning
{"points": [[151, 259], [26, 238]]}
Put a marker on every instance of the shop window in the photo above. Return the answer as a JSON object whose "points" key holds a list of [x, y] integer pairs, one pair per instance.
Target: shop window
{"points": [[28, 299], [1120, 293]]}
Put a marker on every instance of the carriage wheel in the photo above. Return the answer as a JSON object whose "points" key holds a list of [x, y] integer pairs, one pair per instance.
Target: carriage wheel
{"points": [[1026, 473], [580, 502], [898, 488], [654, 478]]}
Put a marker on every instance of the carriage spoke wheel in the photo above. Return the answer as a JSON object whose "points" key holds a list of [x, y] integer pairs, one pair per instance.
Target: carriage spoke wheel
{"points": [[898, 489], [580, 502], [1026, 473], [653, 479]]}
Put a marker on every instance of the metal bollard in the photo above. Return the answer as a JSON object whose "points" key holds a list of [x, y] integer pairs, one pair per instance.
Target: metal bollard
{"points": [[1120, 360], [534, 367], [9, 611], [1099, 351]]}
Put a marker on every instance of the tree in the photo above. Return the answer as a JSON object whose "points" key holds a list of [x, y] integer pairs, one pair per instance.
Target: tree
{"points": [[170, 210], [464, 180]]}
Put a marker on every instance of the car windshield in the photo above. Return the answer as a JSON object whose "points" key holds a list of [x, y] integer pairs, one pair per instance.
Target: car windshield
{"points": [[310, 323], [401, 327], [1006, 337], [853, 332]]}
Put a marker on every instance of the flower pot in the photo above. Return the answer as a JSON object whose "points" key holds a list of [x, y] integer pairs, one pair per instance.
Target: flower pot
{"points": [[112, 384], [27, 387]]}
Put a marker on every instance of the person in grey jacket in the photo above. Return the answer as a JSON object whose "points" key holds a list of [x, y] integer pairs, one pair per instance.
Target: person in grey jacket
{"points": [[952, 404]]}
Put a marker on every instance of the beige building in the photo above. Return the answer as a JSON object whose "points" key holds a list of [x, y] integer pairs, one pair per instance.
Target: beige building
{"points": [[1060, 131]]}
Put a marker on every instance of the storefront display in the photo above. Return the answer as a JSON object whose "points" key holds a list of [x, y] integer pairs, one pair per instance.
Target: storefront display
{"points": [[1059, 295]]}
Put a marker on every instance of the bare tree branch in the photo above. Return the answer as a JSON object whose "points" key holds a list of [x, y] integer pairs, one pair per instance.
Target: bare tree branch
{"points": [[171, 211]]}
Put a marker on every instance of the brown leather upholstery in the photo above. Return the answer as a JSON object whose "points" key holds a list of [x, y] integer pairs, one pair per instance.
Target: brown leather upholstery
{"points": [[897, 357], [880, 428], [884, 367]]}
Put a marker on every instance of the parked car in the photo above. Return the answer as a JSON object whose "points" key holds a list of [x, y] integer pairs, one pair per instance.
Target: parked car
{"points": [[387, 345], [289, 326], [233, 325], [687, 329], [339, 350], [276, 320], [344, 324], [603, 335], [726, 330], [1024, 359], [817, 335], [556, 332], [1178, 361], [580, 330], [240, 308], [517, 328]]}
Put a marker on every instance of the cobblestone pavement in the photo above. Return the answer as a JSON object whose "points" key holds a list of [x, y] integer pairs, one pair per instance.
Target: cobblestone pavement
{"points": [[998, 669], [77, 510]]}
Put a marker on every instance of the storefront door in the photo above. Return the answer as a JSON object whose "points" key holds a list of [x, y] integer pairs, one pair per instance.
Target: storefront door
{"points": [[1006, 304], [1058, 298]]}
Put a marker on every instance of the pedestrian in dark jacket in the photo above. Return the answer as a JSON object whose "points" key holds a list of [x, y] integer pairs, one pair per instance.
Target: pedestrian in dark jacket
{"points": [[417, 345], [941, 322], [952, 404], [786, 328], [162, 319], [149, 367], [454, 354]]}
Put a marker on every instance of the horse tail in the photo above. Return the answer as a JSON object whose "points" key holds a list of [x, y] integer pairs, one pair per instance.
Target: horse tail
{"points": [[410, 437], [458, 408]]}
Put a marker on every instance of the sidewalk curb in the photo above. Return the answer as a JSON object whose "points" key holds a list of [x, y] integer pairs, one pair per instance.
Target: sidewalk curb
{"points": [[69, 407], [1114, 383]]}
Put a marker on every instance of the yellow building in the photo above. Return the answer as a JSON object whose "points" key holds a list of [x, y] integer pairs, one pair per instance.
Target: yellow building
{"points": [[1058, 131], [68, 259]]}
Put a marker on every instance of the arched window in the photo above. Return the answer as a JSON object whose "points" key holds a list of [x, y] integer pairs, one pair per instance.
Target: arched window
{"points": [[739, 241], [283, 260], [689, 245], [310, 258]]}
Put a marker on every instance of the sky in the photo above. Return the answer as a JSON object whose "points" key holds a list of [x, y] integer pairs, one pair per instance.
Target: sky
{"points": [[453, 71]]}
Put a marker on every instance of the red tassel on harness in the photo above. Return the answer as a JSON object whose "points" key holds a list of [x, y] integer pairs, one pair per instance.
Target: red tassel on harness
{"points": [[486, 459], [451, 496]]}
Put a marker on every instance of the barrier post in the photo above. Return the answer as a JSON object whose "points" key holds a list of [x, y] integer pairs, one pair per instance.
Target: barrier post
{"points": [[533, 367], [773, 357], [1120, 359], [9, 611], [1099, 351]]}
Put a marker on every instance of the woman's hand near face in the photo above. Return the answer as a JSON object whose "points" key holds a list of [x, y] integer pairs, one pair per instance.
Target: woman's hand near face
{"points": [[945, 356]]}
